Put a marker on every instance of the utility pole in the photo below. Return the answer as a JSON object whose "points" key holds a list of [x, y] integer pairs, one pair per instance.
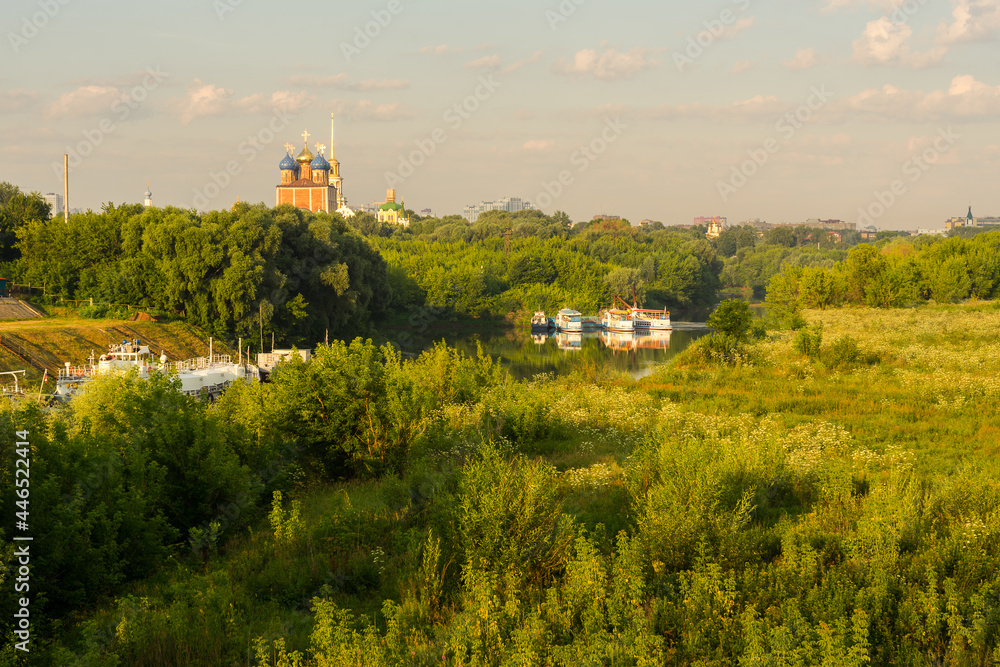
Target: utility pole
{"points": [[66, 187]]}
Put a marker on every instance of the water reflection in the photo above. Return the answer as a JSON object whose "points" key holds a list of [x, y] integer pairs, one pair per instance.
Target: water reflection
{"points": [[526, 354]]}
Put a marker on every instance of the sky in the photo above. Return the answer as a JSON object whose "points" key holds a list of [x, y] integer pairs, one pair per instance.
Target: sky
{"points": [[871, 111]]}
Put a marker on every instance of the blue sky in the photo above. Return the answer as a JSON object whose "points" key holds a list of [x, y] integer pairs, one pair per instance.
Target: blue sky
{"points": [[904, 96]]}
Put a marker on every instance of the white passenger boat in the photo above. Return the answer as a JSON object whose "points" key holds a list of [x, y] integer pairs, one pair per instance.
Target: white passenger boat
{"points": [[204, 376], [651, 320], [615, 319], [570, 321]]}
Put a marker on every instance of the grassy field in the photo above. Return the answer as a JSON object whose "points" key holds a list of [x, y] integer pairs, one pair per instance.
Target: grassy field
{"points": [[784, 511]]}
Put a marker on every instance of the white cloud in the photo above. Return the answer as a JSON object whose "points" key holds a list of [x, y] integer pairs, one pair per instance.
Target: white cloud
{"points": [[887, 43], [383, 84], [84, 101], [441, 50], [965, 98], [804, 59], [17, 100], [535, 57], [207, 99], [741, 66], [486, 62], [203, 99], [367, 110], [284, 100], [541, 145], [743, 24], [609, 65], [973, 21]]}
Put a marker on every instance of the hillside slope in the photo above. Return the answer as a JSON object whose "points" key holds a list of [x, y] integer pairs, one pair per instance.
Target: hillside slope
{"points": [[48, 344]]}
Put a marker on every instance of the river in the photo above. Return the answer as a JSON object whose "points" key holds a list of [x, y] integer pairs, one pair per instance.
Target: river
{"points": [[526, 355]]}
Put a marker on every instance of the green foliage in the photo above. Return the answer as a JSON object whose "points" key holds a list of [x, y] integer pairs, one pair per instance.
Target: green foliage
{"points": [[229, 272], [809, 343], [286, 526], [892, 273], [471, 273], [784, 513], [17, 209], [733, 318], [509, 518]]}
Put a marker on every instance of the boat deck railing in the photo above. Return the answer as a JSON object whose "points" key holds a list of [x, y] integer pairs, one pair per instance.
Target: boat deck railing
{"points": [[201, 363], [74, 372]]}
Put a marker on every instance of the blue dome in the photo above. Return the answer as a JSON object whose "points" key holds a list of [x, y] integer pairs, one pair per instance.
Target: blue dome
{"points": [[287, 163], [320, 163]]}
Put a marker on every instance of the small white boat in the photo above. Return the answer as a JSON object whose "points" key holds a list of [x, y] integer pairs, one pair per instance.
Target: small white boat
{"points": [[615, 319], [540, 323], [570, 321]]}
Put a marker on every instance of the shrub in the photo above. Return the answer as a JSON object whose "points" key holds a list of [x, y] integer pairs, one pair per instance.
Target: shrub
{"points": [[734, 319], [843, 352], [808, 343]]}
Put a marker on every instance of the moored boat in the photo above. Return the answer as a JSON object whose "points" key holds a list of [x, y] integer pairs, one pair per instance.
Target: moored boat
{"points": [[540, 323], [651, 320], [618, 320], [570, 321], [208, 376]]}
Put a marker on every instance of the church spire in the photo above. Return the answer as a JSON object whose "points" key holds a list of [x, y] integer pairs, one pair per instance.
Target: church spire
{"points": [[333, 145]]}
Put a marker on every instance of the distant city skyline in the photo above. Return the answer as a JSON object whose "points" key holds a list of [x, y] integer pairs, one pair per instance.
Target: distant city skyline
{"points": [[860, 110]]}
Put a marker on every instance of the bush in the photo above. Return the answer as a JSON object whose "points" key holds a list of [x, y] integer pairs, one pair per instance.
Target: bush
{"points": [[734, 319], [843, 352], [808, 343], [718, 348]]}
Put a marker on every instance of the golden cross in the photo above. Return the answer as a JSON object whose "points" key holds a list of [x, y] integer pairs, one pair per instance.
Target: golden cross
{"points": [[320, 148], [289, 148], [305, 137]]}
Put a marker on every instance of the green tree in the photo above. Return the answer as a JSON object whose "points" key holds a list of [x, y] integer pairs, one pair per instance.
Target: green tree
{"points": [[17, 209]]}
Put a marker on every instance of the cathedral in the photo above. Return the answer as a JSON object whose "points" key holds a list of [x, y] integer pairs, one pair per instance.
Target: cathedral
{"points": [[311, 181]]}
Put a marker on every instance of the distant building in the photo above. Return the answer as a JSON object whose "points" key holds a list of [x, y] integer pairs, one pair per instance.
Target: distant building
{"points": [[426, 213], [716, 225], [148, 201], [55, 201], [508, 204], [391, 212], [831, 225], [606, 217], [305, 180], [971, 221], [868, 233], [645, 223]]}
